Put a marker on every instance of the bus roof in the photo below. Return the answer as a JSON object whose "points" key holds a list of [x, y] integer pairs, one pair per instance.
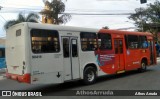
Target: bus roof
{"points": [[56, 27], [124, 32], [63, 28]]}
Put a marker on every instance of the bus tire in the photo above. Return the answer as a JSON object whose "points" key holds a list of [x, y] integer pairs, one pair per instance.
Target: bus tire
{"points": [[143, 66], [89, 75]]}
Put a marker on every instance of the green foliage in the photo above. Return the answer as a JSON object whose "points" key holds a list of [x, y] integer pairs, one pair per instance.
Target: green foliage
{"points": [[147, 19], [55, 12], [31, 17]]}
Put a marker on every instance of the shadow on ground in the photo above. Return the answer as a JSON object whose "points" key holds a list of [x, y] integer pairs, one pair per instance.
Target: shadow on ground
{"points": [[57, 89]]}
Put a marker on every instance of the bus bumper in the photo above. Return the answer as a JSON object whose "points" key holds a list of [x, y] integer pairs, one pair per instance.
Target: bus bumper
{"points": [[21, 78]]}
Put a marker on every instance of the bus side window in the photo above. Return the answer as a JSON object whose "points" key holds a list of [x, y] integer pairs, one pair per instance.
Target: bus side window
{"points": [[104, 41], [133, 41], [45, 41], [88, 41], [143, 42]]}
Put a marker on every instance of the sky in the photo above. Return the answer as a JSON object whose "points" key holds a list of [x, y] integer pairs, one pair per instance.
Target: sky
{"points": [[11, 8]]}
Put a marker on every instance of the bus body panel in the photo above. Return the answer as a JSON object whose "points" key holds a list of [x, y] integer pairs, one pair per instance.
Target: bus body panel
{"points": [[15, 49], [48, 71]]}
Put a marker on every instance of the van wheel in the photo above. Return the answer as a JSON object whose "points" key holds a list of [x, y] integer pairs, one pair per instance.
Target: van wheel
{"points": [[143, 67], [89, 75]]}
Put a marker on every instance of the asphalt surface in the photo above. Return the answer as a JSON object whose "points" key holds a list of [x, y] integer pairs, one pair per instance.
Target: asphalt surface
{"points": [[149, 80]]}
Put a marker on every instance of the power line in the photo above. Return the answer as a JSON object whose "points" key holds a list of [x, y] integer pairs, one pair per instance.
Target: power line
{"points": [[99, 13], [70, 9], [3, 18]]}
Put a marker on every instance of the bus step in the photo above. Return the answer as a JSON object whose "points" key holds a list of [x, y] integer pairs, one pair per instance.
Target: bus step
{"points": [[122, 71]]}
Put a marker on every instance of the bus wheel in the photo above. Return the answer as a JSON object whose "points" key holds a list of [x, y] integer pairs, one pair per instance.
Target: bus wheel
{"points": [[89, 75], [143, 67]]}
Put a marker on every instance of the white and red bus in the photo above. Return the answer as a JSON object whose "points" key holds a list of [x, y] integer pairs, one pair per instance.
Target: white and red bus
{"points": [[44, 53]]}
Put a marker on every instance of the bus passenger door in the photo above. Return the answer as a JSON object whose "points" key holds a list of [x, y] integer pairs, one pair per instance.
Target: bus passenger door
{"points": [[74, 58], [152, 53], [70, 58], [119, 54]]}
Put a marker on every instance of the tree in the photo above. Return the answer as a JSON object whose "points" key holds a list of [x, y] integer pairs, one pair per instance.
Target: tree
{"points": [[55, 12], [140, 18], [31, 17], [148, 19]]}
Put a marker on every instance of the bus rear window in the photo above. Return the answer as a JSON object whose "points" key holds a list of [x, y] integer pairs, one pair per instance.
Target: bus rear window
{"points": [[44, 41]]}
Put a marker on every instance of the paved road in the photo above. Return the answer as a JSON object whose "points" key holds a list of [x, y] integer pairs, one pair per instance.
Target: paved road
{"points": [[133, 80]]}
